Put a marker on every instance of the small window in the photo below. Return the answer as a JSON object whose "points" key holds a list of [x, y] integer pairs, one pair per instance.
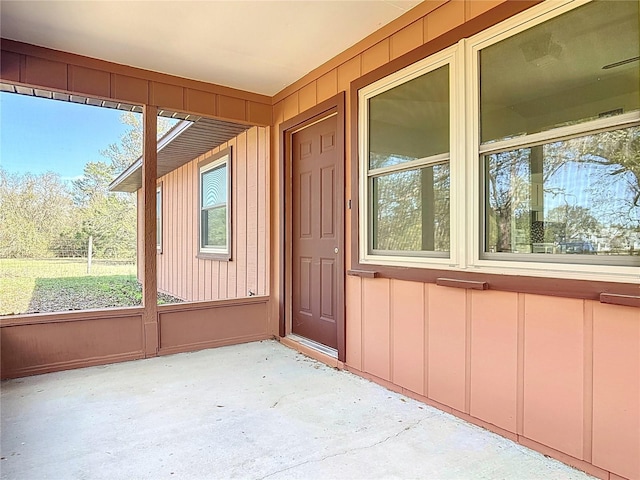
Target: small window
{"points": [[159, 218], [215, 206], [559, 139], [406, 177]]}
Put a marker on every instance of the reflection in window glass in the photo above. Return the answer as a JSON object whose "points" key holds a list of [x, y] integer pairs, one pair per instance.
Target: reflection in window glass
{"points": [[577, 67], [410, 210], [214, 227], [408, 205], [578, 196], [214, 207], [410, 121]]}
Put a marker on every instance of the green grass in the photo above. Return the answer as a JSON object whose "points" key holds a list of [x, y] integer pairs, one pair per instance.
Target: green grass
{"points": [[53, 285]]}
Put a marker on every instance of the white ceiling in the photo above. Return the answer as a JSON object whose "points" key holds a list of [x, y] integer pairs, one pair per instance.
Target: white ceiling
{"points": [[256, 45]]}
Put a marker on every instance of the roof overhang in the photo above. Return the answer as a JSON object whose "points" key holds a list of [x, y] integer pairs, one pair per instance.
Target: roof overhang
{"points": [[258, 46], [186, 141]]}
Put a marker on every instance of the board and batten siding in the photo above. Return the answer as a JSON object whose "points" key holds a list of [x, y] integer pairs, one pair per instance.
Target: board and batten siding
{"points": [[560, 375], [180, 272]]}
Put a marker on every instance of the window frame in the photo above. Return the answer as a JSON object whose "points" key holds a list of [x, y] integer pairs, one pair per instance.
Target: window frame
{"points": [[450, 57], [564, 267], [159, 215], [466, 268], [223, 157]]}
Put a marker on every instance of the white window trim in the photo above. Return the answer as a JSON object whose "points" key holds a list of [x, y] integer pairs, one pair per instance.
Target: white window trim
{"points": [[465, 152], [226, 250], [449, 57]]}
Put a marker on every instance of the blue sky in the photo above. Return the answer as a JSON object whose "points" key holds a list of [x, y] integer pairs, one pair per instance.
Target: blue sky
{"points": [[39, 135]]}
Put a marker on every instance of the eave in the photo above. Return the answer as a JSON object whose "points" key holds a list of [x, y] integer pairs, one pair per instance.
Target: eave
{"points": [[186, 141]]}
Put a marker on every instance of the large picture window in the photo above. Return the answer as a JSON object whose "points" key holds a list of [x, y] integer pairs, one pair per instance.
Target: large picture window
{"points": [[515, 148], [215, 206], [560, 139]]}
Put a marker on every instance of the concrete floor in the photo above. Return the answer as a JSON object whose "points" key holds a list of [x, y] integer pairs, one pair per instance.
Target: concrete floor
{"points": [[254, 411]]}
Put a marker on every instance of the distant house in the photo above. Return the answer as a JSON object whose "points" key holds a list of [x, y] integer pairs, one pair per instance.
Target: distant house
{"points": [[404, 212]]}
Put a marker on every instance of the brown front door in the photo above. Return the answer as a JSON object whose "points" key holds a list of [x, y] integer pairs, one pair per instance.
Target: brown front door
{"points": [[316, 232]]}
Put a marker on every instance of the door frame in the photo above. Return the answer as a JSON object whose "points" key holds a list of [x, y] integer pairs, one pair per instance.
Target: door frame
{"points": [[334, 106]]}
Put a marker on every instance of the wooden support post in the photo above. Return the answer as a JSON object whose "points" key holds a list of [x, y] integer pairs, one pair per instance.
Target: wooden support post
{"points": [[149, 275]]}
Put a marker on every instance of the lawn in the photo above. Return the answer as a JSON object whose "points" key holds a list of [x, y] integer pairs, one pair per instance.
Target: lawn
{"points": [[54, 285]]}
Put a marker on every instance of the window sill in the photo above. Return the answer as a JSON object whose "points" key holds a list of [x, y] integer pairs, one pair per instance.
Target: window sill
{"points": [[624, 300], [620, 293], [362, 273], [222, 257], [455, 283]]}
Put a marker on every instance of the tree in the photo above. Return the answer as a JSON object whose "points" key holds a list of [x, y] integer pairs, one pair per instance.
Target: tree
{"points": [[129, 148], [600, 172], [110, 217], [94, 182], [570, 223], [41, 216], [35, 211], [508, 193], [411, 209]]}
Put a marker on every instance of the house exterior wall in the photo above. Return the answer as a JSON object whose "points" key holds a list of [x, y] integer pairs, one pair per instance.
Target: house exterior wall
{"points": [[560, 375], [180, 272]]}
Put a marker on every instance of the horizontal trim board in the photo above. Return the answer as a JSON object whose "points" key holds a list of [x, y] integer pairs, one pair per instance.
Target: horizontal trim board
{"points": [[75, 316], [555, 287], [362, 273], [126, 70], [452, 282], [192, 306], [624, 300], [72, 364], [192, 347]]}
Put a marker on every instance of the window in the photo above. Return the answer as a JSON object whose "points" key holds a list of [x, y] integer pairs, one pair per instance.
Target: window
{"points": [[406, 178], [538, 165], [560, 139], [215, 206], [159, 218]]}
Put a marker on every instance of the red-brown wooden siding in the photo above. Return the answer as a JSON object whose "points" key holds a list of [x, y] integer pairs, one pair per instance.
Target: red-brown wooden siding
{"points": [[180, 272], [61, 71], [495, 372], [560, 373], [486, 356]]}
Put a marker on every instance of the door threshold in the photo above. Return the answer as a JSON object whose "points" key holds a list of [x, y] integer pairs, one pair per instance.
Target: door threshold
{"points": [[318, 347]]}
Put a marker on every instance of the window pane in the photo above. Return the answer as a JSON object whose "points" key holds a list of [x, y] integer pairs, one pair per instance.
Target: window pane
{"points": [[579, 196], [410, 121], [410, 210], [214, 186], [576, 67], [214, 227]]}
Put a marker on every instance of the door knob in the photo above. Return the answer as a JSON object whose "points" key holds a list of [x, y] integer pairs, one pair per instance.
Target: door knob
{"points": [[335, 250]]}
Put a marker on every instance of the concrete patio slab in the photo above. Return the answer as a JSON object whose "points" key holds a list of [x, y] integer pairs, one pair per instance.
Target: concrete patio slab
{"points": [[259, 411]]}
